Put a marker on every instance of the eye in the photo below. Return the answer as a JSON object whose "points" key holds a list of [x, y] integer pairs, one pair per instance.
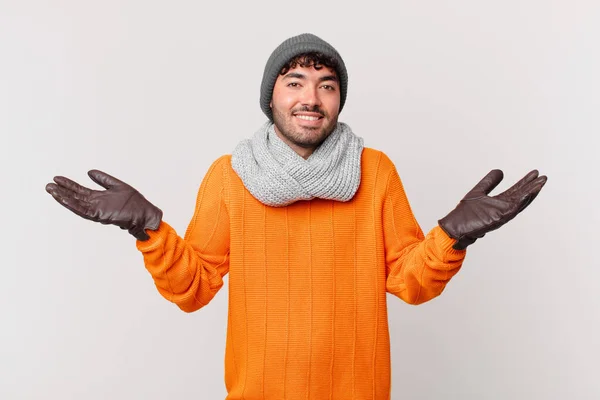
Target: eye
{"points": [[293, 84], [328, 87]]}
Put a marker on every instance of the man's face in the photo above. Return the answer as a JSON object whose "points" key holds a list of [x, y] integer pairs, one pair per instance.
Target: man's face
{"points": [[305, 106]]}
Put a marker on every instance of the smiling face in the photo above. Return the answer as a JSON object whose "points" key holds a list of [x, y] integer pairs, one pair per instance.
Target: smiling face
{"points": [[305, 106]]}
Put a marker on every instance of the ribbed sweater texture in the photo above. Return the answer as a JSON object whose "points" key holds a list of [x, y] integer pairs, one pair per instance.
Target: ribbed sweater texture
{"points": [[307, 282]]}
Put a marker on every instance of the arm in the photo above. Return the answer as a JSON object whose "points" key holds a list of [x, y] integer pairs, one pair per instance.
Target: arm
{"points": [[418, 267], [189, 271]]}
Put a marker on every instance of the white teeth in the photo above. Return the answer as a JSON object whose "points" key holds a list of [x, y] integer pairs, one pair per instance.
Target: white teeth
{"points": [[308, 118]]}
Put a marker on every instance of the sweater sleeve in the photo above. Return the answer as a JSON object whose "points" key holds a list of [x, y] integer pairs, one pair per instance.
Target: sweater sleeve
{"points": [[418, 266], [189, 271]]}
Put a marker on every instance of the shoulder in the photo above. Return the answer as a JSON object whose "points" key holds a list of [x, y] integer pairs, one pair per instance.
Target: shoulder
{"points": [[222, 161], [218, 170], [377, 170], [221, 164], [376, 160]]}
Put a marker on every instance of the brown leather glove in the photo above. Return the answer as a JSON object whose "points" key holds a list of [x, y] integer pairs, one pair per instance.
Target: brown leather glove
{"points": [[119, 205], [477, 213]]}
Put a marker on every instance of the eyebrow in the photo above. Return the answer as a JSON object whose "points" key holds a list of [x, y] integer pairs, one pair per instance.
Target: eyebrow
{"points": [[302, 76]]}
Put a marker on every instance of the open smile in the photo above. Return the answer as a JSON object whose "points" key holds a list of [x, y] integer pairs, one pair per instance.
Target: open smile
{"points": [[308, 116]]}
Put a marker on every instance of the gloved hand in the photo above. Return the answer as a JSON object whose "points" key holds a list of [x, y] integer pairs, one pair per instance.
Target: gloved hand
{"points": [[119, 205], [477, 213]]}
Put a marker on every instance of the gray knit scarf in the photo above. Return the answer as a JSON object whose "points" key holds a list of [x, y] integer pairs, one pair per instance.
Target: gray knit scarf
{"points": [[277, 176]]}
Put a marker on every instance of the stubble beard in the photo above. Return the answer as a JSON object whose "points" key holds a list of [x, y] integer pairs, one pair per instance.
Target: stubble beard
{"points": [[308, 138]]}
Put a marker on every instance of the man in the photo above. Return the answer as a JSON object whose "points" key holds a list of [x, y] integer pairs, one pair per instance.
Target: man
{"points": [[313, 228]]}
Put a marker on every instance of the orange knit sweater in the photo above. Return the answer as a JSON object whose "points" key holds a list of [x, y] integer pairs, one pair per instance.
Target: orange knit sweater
{"points": [[307, 282]]}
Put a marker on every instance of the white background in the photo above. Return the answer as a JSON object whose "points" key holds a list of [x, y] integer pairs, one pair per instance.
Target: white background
{"points": [[152, 92]]}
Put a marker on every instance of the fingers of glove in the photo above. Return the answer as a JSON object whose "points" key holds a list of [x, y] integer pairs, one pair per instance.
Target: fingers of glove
{"points": [[487, 184], [519, 193], [65, 191], [103, 179], [531, 192], [531, 175], [62, 196], [72, 186]]}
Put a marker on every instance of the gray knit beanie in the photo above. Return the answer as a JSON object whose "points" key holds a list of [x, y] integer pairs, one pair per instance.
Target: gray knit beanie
{"points": [[287, 50]]}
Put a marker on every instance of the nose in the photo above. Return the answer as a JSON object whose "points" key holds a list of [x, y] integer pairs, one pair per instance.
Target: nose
{"points": [[310, 96]]}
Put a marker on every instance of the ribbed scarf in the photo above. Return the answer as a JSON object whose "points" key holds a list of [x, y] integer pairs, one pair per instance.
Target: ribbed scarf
{"points": [[277, 176]]}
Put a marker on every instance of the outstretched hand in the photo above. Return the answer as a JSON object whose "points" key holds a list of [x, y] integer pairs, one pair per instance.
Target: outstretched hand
{"points": [[478, 213], [120, 204]]}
